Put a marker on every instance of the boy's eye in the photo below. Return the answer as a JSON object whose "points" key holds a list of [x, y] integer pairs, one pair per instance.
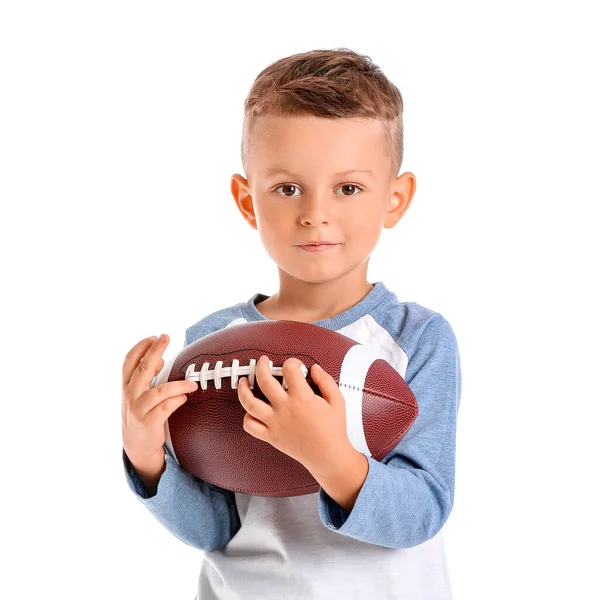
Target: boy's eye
{"points": [[348, 186], [291, 189]]}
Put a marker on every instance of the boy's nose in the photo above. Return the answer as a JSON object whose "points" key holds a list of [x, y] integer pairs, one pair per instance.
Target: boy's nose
{"points": [[315, 210]]}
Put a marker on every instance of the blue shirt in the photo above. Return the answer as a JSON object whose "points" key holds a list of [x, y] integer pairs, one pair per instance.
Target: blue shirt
{"points": [[390, 544]]}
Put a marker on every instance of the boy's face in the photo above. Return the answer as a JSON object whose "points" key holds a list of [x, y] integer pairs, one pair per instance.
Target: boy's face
{"points": [[314, 200]]}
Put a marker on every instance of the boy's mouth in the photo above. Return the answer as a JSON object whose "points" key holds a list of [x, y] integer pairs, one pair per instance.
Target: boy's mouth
{"points": [[318, 246], [319, 243]]}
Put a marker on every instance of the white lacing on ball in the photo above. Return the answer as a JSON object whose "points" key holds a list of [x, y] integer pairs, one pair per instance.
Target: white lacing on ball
{"points": [[234, 371]]}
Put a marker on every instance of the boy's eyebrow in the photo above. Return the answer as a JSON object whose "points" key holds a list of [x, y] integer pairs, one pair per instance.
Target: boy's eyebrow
{"points": [[277, 170]]}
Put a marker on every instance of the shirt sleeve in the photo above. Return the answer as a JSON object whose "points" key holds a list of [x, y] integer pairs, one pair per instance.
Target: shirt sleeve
{"points": [[407, 497], [197, 512]]}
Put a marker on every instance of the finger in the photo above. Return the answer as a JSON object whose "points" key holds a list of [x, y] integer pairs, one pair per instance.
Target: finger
{"points": [[161, 412], [267, 383], [256, 428], [293, 375], [134, 356], [253, 406], [326, 383], [161, 394], [144, 372]]}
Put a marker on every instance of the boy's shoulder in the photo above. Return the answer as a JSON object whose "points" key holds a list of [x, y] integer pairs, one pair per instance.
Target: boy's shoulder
{"points": [[219, 319], [410, 323]]}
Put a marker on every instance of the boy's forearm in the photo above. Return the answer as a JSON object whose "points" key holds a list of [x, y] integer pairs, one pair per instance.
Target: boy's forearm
{"points": [[150, 472], [342, 481]]}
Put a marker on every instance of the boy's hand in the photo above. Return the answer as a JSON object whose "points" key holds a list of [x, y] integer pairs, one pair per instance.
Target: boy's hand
{"points": [[309, 428], [144, 409]]}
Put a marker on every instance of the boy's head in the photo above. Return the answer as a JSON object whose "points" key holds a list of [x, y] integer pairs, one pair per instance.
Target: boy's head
{"points": [[322, 145]]}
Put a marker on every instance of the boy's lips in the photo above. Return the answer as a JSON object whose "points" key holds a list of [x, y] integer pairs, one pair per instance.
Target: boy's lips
{"points": [[319, 243], [318, 246]]}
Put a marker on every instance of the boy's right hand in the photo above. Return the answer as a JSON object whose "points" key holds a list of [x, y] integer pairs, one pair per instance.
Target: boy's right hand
{"points": [[145, 409]]}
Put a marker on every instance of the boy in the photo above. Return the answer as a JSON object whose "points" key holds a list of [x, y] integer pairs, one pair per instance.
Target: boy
{"points": [[321, 148]]}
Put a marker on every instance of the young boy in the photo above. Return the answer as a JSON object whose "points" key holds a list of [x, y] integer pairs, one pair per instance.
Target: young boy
{"points": [[322, 147]]}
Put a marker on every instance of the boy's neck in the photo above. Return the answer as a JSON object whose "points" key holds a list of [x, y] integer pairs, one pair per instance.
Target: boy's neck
{"points": [[308, 303]]}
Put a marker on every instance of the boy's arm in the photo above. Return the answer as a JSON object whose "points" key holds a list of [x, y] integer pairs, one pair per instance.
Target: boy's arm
{"points": [[407, 497], [196, 512]]}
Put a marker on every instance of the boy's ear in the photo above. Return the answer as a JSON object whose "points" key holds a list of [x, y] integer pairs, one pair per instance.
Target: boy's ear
{"points": [[241, 194], [402, 191]]}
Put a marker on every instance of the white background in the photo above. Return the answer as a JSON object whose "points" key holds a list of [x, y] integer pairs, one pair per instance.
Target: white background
{"points": [[120, 127]]}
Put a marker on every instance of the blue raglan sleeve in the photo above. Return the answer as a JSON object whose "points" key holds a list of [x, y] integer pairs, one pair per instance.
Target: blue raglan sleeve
{"points": [[199, 513], [407, 497]]}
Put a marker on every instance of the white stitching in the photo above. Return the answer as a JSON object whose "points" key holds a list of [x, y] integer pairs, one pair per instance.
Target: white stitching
{"points": [[234, 372]]}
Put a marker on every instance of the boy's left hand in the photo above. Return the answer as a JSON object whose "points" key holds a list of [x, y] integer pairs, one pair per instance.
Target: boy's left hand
{"points": [[309, 428]]}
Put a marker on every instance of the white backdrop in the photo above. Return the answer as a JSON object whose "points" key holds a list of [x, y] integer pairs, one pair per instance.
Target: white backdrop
{"points": [[119, 131]]}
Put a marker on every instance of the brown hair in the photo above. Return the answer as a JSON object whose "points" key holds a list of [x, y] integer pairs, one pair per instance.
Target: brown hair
{"points": [[336, 83]]}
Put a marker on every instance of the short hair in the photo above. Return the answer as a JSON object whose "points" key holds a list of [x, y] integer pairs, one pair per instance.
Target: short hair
{"points": [[337, 83]]}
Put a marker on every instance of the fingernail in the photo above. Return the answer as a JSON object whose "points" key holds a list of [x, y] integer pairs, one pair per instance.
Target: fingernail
{"points": [[162, 338]]}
